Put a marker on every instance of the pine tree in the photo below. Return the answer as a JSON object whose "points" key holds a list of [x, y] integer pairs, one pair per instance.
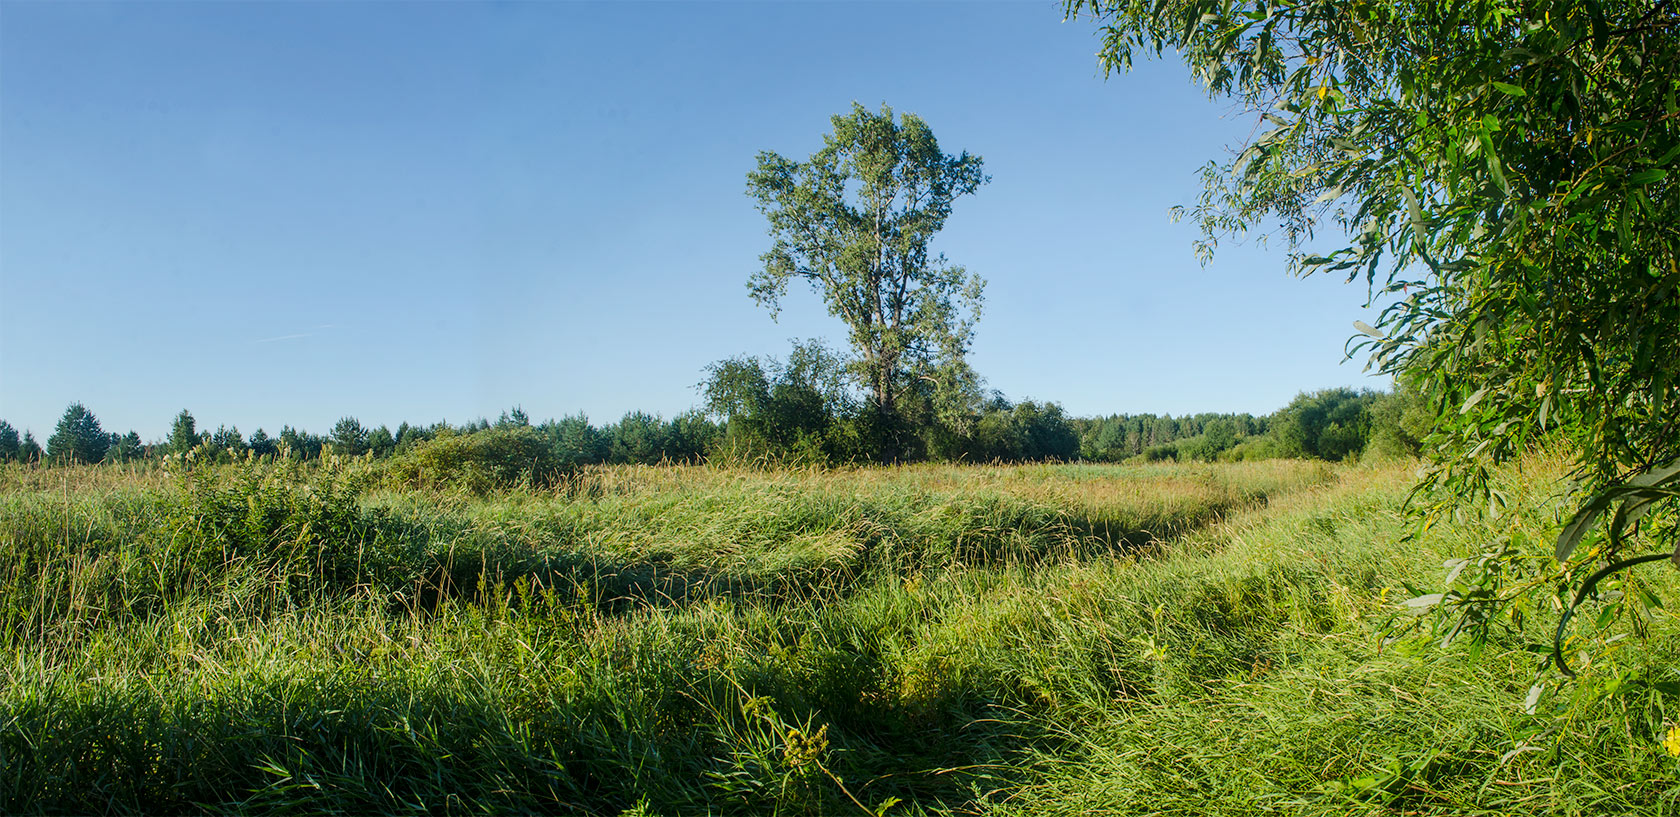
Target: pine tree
{"points": [[183, 435], [262, 445], [349, 438], [9, 444], [125, 447], [228, 438], [381, 442], [29, 450], [78, 437]]}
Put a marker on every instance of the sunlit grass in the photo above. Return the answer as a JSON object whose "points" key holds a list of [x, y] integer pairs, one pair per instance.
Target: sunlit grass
{"points": [[1021, 640]]}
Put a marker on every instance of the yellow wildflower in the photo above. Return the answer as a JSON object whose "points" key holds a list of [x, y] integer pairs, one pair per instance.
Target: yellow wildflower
{"points": [[1672, 742]]}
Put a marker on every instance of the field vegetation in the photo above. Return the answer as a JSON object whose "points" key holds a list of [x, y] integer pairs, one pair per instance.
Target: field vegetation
{"points": [[857, 583], [1198, 638]]}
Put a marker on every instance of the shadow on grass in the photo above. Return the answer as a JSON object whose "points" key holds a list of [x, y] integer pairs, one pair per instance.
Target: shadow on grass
{"points": [[345, 740], [615, 585]]}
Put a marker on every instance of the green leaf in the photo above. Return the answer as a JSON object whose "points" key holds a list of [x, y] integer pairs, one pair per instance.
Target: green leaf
{"points": [[1369, 330], [1416, 209], [1454, 567], [1510, 89], [1661, 475], [1579, 524], [1585, 590], [1639, 491], [1643, 177], [1606, 617]]}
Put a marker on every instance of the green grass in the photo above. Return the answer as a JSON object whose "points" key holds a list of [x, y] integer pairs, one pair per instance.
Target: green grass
{"points": [[1000, 640]]}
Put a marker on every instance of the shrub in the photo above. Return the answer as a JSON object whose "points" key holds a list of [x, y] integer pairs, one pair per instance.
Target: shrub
{"points": [[483, 461], [304, 530]]}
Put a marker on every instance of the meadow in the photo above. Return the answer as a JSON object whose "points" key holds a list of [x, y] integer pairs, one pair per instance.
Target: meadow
{"points": [[933, 639]]}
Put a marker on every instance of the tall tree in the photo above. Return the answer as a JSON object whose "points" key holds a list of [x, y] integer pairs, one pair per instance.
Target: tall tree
{"points": [[261, 444], [299, 445], [125, 448], [1503, 172], [29, 450], [78, 437], [855, 221], [349, 438], [575, 441], [183, 433], [228, 439], [381, 443], [9, 443]]}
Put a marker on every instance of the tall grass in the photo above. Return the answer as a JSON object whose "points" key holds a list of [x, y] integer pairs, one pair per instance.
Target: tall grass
{"points": [[705, 640]]}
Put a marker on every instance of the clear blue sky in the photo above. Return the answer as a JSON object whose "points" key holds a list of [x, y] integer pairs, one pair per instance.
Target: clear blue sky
{"points": [[288, 213]]}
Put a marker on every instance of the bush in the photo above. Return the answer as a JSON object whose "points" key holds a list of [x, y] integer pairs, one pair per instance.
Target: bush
{"points": [[1332, 424], [1262, 447], [305, 530], [1399, 422], [483, 461]]}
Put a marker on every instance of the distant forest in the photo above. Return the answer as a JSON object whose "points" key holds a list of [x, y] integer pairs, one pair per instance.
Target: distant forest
{"points": [[773, 417]]}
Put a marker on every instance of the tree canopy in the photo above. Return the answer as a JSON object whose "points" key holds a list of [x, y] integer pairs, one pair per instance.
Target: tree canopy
{"points": [[78, 437], [10, 445], [183, 434], [1501, 175], [855, 221]]}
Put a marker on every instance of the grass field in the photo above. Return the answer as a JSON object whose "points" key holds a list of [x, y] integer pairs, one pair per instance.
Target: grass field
{"points": [[693, 640]]}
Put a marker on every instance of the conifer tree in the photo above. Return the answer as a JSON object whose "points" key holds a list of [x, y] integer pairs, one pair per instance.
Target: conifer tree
{"points": [[78, 437], [9, 443], [183, 435], [29, 450]]}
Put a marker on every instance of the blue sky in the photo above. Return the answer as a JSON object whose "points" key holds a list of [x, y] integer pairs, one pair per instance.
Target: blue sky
{"points": [[288, 213]]}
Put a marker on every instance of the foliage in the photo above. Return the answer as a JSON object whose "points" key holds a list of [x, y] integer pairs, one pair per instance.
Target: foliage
{"points": [[689, 436], [1504, 174], [482, 461], [78, 437], [798, 410], [1332, 424], [805, 412], [1025, 431], [575, 441], [349, 438], [1400, 421], [701, 640], [183, 434], [381, 443], [638, 438], [1119, 437], [300, 445], [307, 531], [855, 221], [126, 448], [29, 450], [228, 440], [407, 436], [262, 445], [9, 442]]}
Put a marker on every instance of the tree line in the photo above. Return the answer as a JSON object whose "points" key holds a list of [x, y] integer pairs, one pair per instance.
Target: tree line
{"points": [[637, 438], [1332, 424], [797, 412]]}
